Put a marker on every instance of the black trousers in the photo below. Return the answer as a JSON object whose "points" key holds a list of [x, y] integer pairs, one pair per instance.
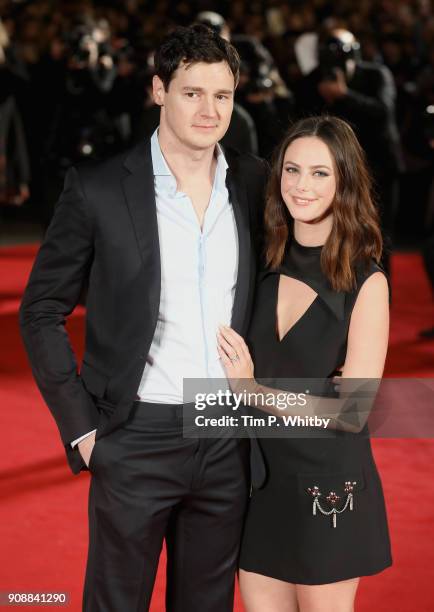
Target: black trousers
{"points": [[149, 483]]}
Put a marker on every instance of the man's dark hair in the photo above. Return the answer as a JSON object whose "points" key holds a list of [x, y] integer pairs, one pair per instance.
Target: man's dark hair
{"points": [[196, 43]]}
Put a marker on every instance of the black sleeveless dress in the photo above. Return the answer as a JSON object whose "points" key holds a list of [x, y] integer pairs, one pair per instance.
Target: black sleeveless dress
{"points": [[287, 535]]}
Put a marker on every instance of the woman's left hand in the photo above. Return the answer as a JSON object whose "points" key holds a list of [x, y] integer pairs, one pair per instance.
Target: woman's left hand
{"points": [[234, 355]]}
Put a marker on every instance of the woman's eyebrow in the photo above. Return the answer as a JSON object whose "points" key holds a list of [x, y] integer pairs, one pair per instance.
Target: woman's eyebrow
{"points": [[316, 166]]}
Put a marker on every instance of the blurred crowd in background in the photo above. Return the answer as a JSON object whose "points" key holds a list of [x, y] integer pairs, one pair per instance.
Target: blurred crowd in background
{"points": [[75, 84]]}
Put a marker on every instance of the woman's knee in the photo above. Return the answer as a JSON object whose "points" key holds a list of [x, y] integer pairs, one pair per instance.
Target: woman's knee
{"points": [[334, 597], [261, 593]]}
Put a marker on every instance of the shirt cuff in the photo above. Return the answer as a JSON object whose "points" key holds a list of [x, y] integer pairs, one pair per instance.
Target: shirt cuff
{"points": [[77, 440]]}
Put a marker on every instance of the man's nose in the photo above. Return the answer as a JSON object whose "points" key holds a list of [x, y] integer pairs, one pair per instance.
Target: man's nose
{"points": [[208, 107]]}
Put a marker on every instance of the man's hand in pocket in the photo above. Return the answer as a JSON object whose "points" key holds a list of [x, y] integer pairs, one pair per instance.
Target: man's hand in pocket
{"points": [[86, 447]]}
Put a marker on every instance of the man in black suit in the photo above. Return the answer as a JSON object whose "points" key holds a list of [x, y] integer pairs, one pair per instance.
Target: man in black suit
{"points": [[165, 238]]}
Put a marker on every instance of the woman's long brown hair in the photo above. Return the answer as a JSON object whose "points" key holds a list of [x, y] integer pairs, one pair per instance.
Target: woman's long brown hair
{"points": [[355, 237]]}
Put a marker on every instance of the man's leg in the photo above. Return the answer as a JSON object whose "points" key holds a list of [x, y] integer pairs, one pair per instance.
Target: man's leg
{"points": [[140, 473], [204, 534], [122, 559]]}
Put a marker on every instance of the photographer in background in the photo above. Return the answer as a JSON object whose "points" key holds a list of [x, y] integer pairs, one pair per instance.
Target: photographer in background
{"points": [[362, 93], [91, 55], [262, 92], [82, 126]]}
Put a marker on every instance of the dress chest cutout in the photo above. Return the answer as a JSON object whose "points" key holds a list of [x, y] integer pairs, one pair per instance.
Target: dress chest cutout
{"points": [[293, 300]]}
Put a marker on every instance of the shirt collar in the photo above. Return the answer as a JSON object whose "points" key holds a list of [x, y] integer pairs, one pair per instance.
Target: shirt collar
{"points": [[161, 169], [221, 169], [159, 164]]}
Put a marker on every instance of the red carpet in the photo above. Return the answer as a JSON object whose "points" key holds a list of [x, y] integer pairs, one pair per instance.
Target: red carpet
{"points": [[43, 526]]}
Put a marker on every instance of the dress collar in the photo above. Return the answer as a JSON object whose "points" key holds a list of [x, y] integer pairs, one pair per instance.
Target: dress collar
{"points": [[304, 264]]}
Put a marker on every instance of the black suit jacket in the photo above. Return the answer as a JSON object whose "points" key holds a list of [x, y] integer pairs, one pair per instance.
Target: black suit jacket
{"points": [[104, 237]]}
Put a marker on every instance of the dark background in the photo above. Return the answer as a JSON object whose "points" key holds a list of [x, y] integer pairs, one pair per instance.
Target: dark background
{"points": [[68, 110]]}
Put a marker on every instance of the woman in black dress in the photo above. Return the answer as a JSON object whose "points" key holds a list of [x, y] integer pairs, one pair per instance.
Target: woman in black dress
{"points": [[322, 305]]}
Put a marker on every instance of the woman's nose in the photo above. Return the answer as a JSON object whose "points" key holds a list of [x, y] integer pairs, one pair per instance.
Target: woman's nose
{"points": [[303, 182]]}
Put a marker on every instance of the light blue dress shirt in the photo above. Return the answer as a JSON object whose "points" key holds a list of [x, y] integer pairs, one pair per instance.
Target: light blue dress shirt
{"points": [[199, 270]]}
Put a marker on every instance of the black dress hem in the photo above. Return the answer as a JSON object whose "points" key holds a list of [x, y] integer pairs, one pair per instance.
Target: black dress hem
{"points": [[324, 580]]}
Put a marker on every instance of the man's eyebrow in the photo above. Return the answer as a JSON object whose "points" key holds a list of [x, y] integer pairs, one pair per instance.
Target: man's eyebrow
{"points": [[316, 166], [199, 89]]}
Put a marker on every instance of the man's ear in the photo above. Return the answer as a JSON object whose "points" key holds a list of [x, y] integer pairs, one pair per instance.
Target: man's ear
{"points": [[158, 90]]}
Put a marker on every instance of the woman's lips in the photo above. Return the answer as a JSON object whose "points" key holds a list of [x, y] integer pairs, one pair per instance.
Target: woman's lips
{"points": [[303, 201]]}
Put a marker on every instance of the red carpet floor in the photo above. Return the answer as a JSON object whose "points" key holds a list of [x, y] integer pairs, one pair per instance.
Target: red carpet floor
{"points": [[43, 523]]}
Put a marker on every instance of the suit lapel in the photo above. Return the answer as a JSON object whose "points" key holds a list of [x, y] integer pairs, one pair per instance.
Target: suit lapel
{"points": [[140, 197], [238, 196]]}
